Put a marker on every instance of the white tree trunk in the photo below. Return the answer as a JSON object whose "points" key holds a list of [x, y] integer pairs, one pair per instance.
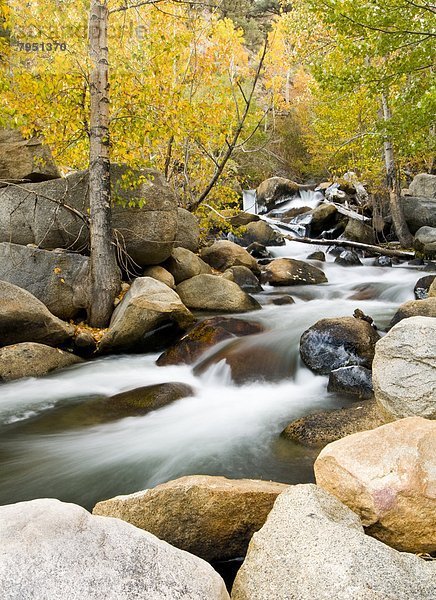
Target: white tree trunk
{"points": [[104, 272]]}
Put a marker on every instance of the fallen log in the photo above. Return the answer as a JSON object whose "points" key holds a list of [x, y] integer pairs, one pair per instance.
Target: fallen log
{"points": [[377, 250]]}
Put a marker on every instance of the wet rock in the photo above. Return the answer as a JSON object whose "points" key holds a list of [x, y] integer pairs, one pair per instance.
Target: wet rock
{"points": [[223, 254], [321, 218], [242, 219], [415, 308], [262, 233], [358, 231], [404, 369], [161, 274], [54, 550], [425, 241], [391, 490], [29, 359], [348, 258], [203, 336], [258, 251], [282, 300], [140, 401], [289, 271], [423, 184], [245, 278], [352, 381], [383, 261], [23, 318], [318, 255], [321, 428], [290, 214], [274, 190], [25, 159], [416, 262], [59, 279], [184, 264], [419, 212], [339, 342], [422, 286], [148, 305], [313, 547], [188, 231], [84, 343], [212, 293], [211, 517]]}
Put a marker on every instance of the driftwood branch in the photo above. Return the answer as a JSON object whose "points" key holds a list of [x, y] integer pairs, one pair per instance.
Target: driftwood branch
{"points": [[358, 245]]}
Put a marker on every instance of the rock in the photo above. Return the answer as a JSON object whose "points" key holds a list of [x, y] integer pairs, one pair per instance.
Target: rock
{"points": [[387, 476], [404, 369], [188, 231], [29, 359], [148, 305], [84, 343], [245, 278], [274, 190], [208, 292], [242, 219], [23, 318], [289, 271], [423, 184], [258, 250], [52, 551], [289, 215], [418, 212], [184, 264], [322, 217], [425, 241], [321, 428], [422, 287], [262, 233], [161, 274], [142, 400], [348, 258], [211, 517], [432, 290], [281, 300], [36, 213], [318, 255], [313, 547], [58, 279], [383, 261], [358, 231], [203, 336], [223, 254], [415, 308], [352, 381], [338, 342], [25, 159]]}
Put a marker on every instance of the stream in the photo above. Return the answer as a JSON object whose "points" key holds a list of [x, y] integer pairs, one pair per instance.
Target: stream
{"points": [[224, 429]]}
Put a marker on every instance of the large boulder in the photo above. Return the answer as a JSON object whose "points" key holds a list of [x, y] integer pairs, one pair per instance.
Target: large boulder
{"points": [[245, 278], [203, 336], [404, 369], [188, 231], [358, 231], [313, 547], [321, 428], [51, 550], [415, 308], [212, 293], [432, 289], [184, 264], [29, 359], [59, 279], [290, 271], [388, 477], [53, 214], [338, 342], [262, 233], [23, 318], [211, 517], [425, 241], [148, 305], [419, 211], [275, 190], [25, 159], [223, 254], [322, 217], [423, 184]]}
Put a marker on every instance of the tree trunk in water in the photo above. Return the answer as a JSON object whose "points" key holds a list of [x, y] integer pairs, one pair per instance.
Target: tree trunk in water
{"points": [[104, 273], [400, 225]]}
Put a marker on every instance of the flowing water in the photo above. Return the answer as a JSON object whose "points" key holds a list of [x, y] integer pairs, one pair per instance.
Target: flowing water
{"points": [[223, 429]]}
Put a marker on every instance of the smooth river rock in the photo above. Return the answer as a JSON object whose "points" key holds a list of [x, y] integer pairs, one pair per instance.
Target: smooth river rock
{"points": [[289, 271], [212, 517], [224, 254], [148, 305], [188, 230], [23, 318], [213, 293], [313, 547], [404, 369], [51, 550], [184, 264], [415, 308], [388, 477], [29, 359]]}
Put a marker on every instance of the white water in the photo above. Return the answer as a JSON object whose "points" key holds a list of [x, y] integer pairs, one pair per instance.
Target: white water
{"points": [[222, 429]]}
